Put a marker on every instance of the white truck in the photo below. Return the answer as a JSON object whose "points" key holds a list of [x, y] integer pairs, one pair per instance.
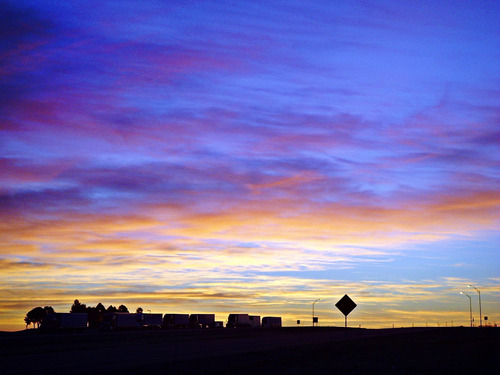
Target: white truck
{"points": [[73, 320], [121, 321], [243, 320], [152, 320], [176, 321], [65, 321], [254, 321], [201, 320], [271, 322]]}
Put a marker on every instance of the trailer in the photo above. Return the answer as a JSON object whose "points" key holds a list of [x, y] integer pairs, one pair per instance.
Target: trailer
{"points": [[121, 321], [176, 321], [242, 321], [238, 321], [152, 320], [127, 320], [64, 321], [201, 320], [271, 322], [254, 321], [73, 320]]}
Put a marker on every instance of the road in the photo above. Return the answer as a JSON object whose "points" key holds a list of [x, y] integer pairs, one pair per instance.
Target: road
{"points": [[165, 351]]}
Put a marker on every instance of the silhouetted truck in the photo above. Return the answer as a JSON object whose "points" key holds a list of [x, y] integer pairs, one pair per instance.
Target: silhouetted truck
{"points": [[176, 321], [254, 321], [242, 321], [121, 321], [73, 320], [201, 320], [65, 321], [152, 320], [271, 322]]}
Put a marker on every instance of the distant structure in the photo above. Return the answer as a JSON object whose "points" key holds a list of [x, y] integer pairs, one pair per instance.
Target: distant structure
{"points": [[115, 320], [242, 321], [64, 321], [176, 321], [271, 322], [201, 320]]}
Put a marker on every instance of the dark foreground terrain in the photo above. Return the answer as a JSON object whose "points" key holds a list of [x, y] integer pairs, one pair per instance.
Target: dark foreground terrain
{"points": [[254, 351]]}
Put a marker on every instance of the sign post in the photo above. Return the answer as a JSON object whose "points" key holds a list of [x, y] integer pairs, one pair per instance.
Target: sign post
{"points": [[345, 305]]}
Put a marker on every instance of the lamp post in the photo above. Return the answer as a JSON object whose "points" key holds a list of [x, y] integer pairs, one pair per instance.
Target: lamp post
{"points": [[480, 314], [470, 306], [319, 299]]}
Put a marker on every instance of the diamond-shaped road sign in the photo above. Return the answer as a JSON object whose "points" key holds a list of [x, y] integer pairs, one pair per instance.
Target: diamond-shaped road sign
{"points": [[345, 305]]}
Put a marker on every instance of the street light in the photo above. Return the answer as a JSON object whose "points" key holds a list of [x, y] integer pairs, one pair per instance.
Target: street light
{"points": [[480, 314], [319, 299], [470, 306]]}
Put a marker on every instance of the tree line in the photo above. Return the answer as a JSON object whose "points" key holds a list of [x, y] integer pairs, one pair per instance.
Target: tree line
{"points": [[95, 314]]}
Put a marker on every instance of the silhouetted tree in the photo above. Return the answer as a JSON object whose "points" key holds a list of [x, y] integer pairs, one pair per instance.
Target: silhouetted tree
{"points": [[139, 310], [123, 308], [78, 307], [28, 321], [35, 315], [100, 307], [111, 308], [49, 310]]}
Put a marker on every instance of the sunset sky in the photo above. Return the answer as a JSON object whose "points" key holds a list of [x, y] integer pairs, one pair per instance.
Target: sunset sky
{"points": [[251, 157]]}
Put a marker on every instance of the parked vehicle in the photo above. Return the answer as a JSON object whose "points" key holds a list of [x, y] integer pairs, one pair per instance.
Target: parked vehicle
{"points": [[121, 321], [243, 320], [73, 320], [201, 320], [176, 321], [271, 322], [65, 321], [254, 321], [238, 321], [152, 320]]}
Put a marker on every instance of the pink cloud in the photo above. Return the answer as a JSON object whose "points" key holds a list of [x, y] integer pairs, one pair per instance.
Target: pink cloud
{"points": [[16, 172]]}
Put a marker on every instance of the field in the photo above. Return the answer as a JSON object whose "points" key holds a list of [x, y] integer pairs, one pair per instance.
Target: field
{"points": [[254, 351]]}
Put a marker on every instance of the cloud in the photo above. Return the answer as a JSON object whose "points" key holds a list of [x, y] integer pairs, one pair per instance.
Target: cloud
{"points": [[227, 153]]}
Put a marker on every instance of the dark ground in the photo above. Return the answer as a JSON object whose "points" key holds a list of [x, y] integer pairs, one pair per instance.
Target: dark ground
{"points": [[254, 351]]}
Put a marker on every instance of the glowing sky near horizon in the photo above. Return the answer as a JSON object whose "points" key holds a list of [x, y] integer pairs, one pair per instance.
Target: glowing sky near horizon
{"points": [[251, 157]]}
